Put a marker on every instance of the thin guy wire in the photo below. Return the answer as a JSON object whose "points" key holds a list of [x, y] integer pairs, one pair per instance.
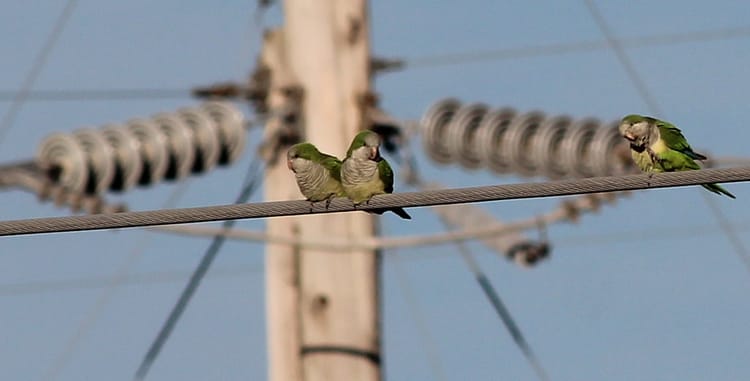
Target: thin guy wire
{"points": [[115, 281], [96, 95], [386, 201], [250, 183], [730, 232], [36, 68], [418, 318], [461, 58], [739, 248], [622, 56], [502, 311], [92, 283], [458, 58], [600, 239]]}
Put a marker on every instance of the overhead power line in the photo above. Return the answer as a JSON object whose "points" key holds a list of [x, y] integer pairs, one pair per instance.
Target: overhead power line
{"points": [[460, 58], [98, 282], [387, 201], [502, 311], [568, 210], [650, 100], [116, 280], [436, 60], [584, 240], [248, 188], [418, 317], [20, 96], [638, 82], [98, 95]]}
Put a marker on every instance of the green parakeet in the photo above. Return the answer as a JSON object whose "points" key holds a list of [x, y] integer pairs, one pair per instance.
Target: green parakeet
{"points": [[364, 173], [658, 146], [318, 174]]}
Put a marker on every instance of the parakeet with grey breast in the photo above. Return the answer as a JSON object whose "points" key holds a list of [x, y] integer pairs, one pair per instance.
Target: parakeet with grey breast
{"points": [[658, 146], [318, 174], [364, 173]]}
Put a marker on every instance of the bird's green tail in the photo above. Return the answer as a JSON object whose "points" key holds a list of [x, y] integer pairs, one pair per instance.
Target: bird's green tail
{"points": [[716, 188], [399, 212]]}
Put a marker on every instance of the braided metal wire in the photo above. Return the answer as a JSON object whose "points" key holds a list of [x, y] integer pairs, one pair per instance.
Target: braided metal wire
{"points": [[144, 151], [529, 144], [387, 201]]}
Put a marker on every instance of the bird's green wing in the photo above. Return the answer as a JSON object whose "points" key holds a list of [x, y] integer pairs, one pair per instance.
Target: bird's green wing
{"points": [[332, 164], [386, 175], [674, 140]]}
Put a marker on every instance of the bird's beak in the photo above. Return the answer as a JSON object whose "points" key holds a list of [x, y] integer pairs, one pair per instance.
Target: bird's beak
{"points": [[374, 154], [629, 136], [289, 165]]}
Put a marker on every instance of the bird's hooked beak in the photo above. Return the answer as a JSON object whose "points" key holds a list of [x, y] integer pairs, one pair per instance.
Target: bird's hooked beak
{"points": [[290, 165], [374, 154], [629, 136]]}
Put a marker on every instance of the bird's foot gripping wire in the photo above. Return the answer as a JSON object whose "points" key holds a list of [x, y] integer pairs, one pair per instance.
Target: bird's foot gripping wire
{"points": [[328, 201], [312, 205]]}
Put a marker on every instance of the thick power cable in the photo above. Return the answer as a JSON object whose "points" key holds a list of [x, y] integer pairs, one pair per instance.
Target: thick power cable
{"points": [[387, 201], [249, 186], [36, 68]]}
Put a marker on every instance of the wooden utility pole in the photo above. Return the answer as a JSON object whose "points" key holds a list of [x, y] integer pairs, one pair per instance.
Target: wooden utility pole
{"points": [[323, 307]]}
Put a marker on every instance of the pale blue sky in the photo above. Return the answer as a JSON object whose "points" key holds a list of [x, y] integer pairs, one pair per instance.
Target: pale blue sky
{"points": [[620, 299]]}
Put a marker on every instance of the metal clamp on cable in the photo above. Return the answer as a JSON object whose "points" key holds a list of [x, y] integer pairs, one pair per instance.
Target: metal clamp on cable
{"points": [[340, 349]]}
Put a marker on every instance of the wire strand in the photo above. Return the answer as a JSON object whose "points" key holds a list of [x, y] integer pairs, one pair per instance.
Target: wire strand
{"points": [[622, 56], [461, 58], [36, 68], [729, 231], [497, 304], [418, 318], [386, 201], [582, 240], [97, 95], [653, 105], [249, 185], [115, 281], [446, 59]]}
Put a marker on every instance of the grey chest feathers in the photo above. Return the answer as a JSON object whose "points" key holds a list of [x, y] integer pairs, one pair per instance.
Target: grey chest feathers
{"points": [[311, 178], [357, 171]]}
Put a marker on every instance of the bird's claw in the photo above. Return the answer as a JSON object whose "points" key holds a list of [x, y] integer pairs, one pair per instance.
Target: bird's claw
{"points": [[328, 202]]}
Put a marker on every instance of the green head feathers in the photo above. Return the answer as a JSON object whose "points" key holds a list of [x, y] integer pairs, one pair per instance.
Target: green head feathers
{"points": [[305, 151], [365, 138], [635, 118]]}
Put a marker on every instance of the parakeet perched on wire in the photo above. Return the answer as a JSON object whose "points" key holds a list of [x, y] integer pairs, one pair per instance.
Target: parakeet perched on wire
{"points": [[364, 173], [658, 146], [318, 174]]}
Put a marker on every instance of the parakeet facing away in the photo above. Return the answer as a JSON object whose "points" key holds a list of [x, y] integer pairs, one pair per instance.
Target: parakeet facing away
{"points": [[364, 173], [658, 146], [318, 175]]}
